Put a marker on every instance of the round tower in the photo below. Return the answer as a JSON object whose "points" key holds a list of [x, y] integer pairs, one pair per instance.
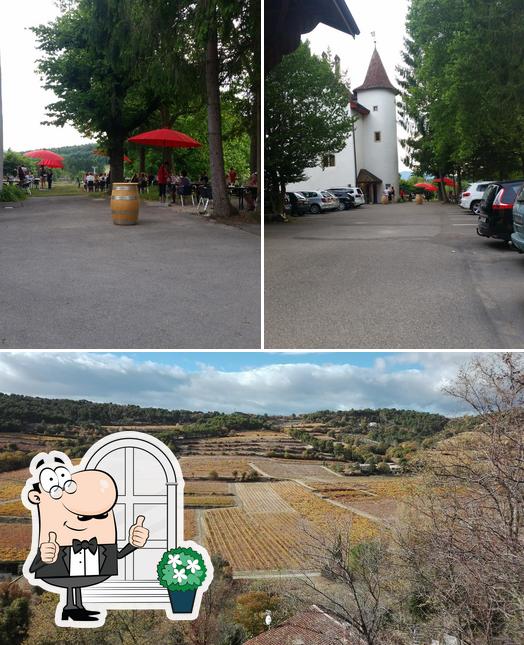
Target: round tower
{"points": [[376, 132]]}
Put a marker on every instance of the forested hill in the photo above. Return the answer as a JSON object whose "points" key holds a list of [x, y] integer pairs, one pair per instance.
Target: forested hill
{"points": [[382, 423], [17, 410]]}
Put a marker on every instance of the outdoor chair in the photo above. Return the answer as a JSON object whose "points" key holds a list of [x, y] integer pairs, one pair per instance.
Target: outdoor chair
{"points": [[187, 192], [206, 196]]}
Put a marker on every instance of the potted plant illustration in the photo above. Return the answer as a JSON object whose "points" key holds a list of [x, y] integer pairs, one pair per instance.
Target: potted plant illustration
{"points": [[182, 571]]}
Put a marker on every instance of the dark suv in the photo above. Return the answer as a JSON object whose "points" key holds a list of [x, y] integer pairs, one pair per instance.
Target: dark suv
{"points": [[496, 209], [346, 199]]}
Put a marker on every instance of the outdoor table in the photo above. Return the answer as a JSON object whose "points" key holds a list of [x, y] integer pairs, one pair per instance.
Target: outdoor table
{"points": [[238, 191]]}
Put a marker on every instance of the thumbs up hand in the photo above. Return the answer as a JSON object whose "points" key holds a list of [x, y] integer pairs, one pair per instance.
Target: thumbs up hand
{"points": [[138, 534], [49, 550]]}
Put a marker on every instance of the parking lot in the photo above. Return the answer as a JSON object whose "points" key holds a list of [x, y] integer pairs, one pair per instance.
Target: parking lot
{"points": [[395, 276], [71, 279]]}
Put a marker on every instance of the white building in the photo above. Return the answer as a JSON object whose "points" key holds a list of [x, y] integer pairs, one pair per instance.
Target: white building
{"points": [[372, 163]]}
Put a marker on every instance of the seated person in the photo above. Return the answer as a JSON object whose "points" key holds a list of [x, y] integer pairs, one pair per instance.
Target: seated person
{"points": [[184, 184]]}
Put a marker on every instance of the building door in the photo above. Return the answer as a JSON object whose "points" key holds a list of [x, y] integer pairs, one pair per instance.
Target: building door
{"points": [[147, 485]]}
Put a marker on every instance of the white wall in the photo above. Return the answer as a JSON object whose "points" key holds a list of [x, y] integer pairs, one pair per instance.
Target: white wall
{"points": [[380, 158]]}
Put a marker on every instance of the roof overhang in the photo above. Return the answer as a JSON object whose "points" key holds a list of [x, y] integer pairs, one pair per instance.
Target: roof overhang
{"points": [[366, 177], [287, 20]]}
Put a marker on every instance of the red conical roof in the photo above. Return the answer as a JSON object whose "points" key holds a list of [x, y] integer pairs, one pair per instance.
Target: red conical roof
{"points": [[377, 77]]}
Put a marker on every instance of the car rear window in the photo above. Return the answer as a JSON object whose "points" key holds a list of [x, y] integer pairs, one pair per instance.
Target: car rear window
{"points": [[510, 193], [520, 196], [482, 187]]}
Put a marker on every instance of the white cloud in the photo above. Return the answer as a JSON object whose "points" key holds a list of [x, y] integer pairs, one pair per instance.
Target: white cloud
{"points": [[401, 381]]}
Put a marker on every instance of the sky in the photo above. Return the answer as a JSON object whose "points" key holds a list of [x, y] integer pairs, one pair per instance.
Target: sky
{"points": [[257, 382], [387, 19], [24, 100]]}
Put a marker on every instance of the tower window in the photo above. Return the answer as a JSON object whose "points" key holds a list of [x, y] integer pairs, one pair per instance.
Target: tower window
{"points": [[375, 108], [378, 136], [328, 161]]}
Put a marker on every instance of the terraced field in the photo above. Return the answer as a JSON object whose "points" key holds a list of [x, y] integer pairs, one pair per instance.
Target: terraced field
{"points": [[198, 487], [261, 498], [15, 540], [209, 501]]}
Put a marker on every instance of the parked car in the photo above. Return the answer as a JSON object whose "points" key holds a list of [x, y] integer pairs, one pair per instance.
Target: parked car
{"points": [[345, 198], [357, 195], [496, 209], [517, 238], [296, 204], [320, 200], [472, 196]]}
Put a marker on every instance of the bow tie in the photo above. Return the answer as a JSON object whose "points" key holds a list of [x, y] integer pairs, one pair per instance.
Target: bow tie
{"points": [[91, 544]]}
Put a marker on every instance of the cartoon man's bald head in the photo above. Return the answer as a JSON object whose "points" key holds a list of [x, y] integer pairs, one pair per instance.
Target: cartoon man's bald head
{"points": [[72, 504]]}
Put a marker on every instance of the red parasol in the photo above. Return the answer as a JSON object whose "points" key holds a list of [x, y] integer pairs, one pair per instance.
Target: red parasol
{"points": [[51, 163], [426, 186], [447, 181], [165, 138], [43, 154]]}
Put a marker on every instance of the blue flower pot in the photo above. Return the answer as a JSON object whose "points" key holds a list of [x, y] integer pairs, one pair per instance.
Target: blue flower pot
{"points": [[182, 602]]}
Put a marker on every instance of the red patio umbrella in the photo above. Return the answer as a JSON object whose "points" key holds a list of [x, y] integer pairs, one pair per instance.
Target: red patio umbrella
{"points": [[426, 186], [165, 138], [447, 181], [43, 154], [51, 163]]}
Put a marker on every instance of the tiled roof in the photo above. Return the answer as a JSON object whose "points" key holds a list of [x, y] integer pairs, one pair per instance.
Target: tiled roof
{"points": [[357, 107], [314, 626], [377, 77]]}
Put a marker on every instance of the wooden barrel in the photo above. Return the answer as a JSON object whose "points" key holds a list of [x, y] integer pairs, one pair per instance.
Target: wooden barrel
{"points": [[419, 199], [124, 204]]}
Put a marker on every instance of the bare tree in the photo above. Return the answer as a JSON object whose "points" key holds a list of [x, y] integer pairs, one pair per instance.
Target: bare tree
{"points": [[358, 575], [464, 542]]}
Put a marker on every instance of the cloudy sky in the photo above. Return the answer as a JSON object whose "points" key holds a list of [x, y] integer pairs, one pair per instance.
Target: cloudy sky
{"points": [[24, 100], [276, 383]]}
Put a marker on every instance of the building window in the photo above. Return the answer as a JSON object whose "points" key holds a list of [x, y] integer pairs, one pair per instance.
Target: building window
{"points": [[375, 108], [377, 136], [328, 161]]}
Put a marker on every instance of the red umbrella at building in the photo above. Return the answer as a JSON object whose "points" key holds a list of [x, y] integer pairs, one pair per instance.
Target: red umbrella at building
{"points": [[447, 181], [165, 138], [426, 186]]}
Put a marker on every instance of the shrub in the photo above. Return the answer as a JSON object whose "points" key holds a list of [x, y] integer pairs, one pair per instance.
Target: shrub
{"points": [[181, 569], [12, 194]]}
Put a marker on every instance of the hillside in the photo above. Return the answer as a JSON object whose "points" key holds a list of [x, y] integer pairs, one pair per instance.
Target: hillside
{"points": [[347, 439]]}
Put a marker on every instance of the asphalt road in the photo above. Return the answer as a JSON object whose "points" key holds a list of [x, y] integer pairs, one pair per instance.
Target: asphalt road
{"points": [[398, 276], [69, 278]]}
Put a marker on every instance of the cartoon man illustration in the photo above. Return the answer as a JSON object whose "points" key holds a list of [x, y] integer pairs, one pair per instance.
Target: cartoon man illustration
{"points": [[74, 533]]}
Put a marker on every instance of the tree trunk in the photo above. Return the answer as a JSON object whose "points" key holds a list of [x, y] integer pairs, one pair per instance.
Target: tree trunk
{"points": [[221, 203], [1, 135], [442, 187], [142, 167], [116, 157]]}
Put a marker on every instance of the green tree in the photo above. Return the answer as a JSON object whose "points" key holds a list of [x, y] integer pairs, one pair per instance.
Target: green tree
{"points": [[306, 117], [95, 59], [463, 94]]}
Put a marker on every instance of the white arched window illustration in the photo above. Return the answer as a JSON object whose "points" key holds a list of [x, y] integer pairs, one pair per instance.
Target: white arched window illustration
{"points": [[149, 483]]}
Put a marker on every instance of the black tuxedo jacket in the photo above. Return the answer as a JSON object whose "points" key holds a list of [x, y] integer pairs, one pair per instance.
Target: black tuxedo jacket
{"points": [[108, 556]]}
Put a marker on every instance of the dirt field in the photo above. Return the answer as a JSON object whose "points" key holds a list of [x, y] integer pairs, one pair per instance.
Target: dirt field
{"points": [[203, 466], [294, 469]]}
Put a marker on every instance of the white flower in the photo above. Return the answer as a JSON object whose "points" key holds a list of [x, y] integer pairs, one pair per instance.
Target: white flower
{"points": [[193, 566], [174, 560], [179, 576]]}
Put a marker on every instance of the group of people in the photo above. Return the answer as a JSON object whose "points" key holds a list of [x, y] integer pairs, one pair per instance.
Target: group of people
{"points": [[94, 182], [170, 183], [26, 179], [389, 192]]}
